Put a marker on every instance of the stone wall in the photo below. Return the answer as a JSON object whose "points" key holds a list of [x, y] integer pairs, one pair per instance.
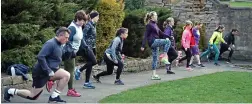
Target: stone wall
{"points": [[241, 19]]}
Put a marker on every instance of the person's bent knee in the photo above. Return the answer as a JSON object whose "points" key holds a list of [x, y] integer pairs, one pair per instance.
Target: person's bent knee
{"points": [[94, 62], [110, 72], [35, 97], [67, 75]]}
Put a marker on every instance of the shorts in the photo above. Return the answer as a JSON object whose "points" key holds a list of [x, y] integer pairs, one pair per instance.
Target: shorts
{"points": [[39, 81], [195, 50], [40, 77]]}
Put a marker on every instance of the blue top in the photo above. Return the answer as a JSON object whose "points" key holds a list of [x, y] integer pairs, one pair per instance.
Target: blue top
{"points": [[196, 35], [115, 48]]}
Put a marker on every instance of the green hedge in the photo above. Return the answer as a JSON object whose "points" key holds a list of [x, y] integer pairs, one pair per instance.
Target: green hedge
{"points": [[111, 17], [25, 55], [134, 4], [27, 24], [134, 21], [17, 35]]}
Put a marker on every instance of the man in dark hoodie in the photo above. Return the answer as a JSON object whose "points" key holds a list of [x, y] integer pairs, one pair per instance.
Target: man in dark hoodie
{"points": [[230, 39]]}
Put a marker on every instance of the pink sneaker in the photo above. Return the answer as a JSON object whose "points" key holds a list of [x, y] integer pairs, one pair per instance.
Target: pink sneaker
{"points": [[49, 85], [177, 63], [73, 93], [189, 69], [161, 56]]}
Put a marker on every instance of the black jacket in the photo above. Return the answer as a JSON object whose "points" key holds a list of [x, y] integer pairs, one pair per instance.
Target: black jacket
{"points": [[229, 38]]}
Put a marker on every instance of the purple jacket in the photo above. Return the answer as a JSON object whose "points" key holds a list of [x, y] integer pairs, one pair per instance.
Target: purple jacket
{"points": [[152, 32], [169, 33], [196, 35]]}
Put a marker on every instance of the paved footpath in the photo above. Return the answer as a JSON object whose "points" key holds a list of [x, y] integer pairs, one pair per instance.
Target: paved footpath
{"points": [[131, 80]]}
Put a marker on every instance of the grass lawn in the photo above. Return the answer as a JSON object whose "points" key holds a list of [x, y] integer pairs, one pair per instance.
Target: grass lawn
{"points": [[240, 4], [221, 87]]}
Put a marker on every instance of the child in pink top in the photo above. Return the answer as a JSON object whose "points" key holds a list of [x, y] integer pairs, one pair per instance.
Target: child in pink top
{"points": [[186, 43]]}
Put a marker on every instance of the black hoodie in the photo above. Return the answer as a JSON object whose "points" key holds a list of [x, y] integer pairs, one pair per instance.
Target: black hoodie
{"points": [[229, 38]]}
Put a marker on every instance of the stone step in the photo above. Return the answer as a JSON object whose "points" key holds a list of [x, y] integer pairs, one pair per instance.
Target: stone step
{"points": [[13, 80]]}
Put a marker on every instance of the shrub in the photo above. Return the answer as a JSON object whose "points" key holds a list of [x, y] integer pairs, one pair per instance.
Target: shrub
{"points": [[134, 4], [25, 11], [45, 34], [111, 17], [134, 21], [62, 15], [17, 35], [202, 43], [25, 55]]}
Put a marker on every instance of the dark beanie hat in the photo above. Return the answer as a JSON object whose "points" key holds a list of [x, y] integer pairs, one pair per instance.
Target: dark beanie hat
{"points": [[93, 14]]}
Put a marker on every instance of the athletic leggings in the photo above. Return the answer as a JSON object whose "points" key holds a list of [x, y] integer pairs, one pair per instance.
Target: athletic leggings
{"points": [[187, 57], [215, 49], [155, 48], [224, 47], [172, 54], [110, 67], [91, 61]]}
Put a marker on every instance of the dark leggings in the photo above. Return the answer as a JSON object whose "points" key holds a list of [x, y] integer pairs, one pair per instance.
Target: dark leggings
{"points": [[110, 68], [187, 57], [91, 61], [172, 54], [224, 47]]}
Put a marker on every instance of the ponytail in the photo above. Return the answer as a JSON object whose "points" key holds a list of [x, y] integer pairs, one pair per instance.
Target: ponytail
{"points": [[166, 22], [188, 22], [219, 27], [148, 16]]}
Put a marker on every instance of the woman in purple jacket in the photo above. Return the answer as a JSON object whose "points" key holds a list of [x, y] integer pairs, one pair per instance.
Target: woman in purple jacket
{"points": [[195, 48], [153, 34], [172, 53]]}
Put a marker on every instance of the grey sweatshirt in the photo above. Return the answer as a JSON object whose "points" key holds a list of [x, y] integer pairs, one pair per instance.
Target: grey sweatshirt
{"points": [[49, 58]]}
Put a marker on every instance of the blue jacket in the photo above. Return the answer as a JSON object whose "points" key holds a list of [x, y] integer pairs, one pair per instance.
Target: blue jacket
{"points": [[115, 48]]}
